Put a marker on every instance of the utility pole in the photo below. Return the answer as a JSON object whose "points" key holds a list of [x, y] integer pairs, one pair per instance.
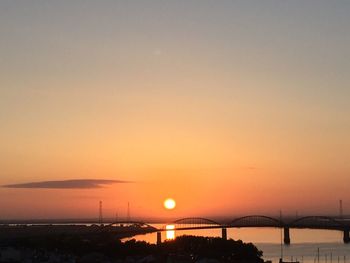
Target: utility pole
{"points": [[100, 217], [128, 213], [281, 259], [341, 208]]}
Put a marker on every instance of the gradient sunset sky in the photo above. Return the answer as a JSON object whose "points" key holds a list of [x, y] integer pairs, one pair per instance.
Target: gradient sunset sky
{"points": [[229, 107]]}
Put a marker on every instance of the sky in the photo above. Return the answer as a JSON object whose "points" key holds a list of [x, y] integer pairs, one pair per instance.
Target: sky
{"points": [[229, 107]]}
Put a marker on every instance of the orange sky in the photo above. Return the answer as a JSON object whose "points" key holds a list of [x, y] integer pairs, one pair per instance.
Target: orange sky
{"points": [[229, 108]]}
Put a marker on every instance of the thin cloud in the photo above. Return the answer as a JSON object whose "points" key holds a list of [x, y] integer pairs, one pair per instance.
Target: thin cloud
{"points": [[252, 168], [67, 184]]}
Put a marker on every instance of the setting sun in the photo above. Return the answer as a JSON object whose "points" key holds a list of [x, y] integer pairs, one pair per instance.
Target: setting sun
{"points": [[169, 203]]}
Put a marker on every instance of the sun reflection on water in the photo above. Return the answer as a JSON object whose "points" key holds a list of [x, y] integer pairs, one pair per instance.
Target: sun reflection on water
{"points": [[170, 232]]}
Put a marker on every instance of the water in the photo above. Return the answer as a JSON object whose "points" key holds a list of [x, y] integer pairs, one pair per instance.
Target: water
{"points": [[304, 247]]}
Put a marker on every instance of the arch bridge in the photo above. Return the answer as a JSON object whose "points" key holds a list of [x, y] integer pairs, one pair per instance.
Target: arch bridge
{"points": [[257, 221]]}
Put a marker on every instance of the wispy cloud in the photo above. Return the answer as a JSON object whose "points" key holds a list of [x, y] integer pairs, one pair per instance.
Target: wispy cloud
{"points": [[67, 184], [252, 168]]}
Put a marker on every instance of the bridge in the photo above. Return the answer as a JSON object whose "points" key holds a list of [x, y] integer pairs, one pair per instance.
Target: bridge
{"points": [[257, 221]]}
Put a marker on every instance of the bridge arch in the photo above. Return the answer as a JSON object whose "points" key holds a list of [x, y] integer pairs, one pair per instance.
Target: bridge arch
{"points": [[316, 222], [190, 222], [256, 220]]}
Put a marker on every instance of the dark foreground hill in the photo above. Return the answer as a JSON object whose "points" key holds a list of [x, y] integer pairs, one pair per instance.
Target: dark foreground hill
{"points": [[108, 248]]}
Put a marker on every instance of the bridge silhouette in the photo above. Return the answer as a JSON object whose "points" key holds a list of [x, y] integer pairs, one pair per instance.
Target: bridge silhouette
{"points": [[256, 221]]}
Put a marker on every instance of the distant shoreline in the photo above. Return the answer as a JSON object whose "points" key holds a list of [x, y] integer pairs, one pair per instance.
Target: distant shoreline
{"points": [[13, 232]]}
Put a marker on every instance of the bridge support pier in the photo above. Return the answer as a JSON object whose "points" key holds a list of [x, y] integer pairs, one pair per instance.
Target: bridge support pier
{"points": [[159, 238], [286, 236], [224, 233], [346, 237]]}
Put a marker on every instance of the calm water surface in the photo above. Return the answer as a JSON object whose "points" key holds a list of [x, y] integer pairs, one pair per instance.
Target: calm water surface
{"points": [[305, 243]]}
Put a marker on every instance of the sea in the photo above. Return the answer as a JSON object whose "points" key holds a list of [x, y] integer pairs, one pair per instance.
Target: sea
{"points": [[307, 245]]}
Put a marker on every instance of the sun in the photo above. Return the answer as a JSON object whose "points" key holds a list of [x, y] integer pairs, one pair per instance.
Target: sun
{"points": [[169, 203]]}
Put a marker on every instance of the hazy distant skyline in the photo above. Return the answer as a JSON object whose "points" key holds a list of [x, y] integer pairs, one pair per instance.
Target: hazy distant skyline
{"points": [[229, 107]]}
